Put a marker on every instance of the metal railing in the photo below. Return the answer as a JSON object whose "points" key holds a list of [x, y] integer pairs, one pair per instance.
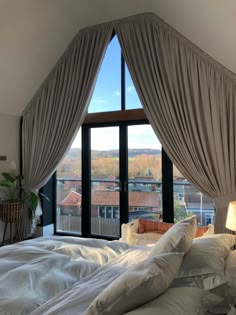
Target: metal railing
{"points": [[107, 226]]}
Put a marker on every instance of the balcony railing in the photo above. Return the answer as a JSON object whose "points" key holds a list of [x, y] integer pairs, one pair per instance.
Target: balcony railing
{"points": [[105, 216]]}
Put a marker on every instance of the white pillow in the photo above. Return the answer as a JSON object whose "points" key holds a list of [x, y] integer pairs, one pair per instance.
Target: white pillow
{"points": [[204, 264], [178, 238], [126, 228], [232, 311], [227, 292], [210, 231], [179, 301], [142, 238], [136, 286], [230, 269]]}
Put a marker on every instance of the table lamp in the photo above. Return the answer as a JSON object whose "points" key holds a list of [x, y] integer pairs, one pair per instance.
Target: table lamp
{"points": [[231, 216]]}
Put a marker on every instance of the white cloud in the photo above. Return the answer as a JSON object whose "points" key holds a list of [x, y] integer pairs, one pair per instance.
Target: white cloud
{"points": [[117, 93], [107, 138], [131, 89], [142, 136], [140, 130], [77, 141]]}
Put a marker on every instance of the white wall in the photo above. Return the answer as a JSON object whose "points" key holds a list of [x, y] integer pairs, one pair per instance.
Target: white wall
{"points": [[9, 146], [9, 141]]}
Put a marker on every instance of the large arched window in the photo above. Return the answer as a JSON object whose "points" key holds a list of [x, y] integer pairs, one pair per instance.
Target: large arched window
{"points": [[116, 169]]}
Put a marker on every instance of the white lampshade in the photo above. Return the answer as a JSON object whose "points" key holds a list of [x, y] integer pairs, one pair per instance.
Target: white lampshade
{"points": [[231, 216]]}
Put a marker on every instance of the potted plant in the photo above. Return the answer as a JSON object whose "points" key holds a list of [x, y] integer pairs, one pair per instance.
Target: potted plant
{"points": [[15, 198]]}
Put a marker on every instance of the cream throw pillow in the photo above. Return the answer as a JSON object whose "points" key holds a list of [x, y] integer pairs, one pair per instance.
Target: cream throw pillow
{"points": [[210, 231], [136, 286], [230, 269], [127, 228], [179, 301], [205, 264], [142, 239], [178, 238]]}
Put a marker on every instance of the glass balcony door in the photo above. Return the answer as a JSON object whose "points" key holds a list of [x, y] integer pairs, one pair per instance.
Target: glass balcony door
{"points": [[124, 172], [69, 190], [105, 181], [144, 173]]}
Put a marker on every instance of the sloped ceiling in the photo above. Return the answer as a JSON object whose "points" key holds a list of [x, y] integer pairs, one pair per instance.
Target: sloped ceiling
{"points": [[34, 34]]}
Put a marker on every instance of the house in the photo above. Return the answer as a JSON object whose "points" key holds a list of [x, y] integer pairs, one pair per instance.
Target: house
{"points": [[71, 204], [105, 208], [34, 34]]}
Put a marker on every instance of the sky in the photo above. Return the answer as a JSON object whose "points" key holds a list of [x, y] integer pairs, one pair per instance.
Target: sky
{"points": [[107, 97], [139, 137], [107, 92]]}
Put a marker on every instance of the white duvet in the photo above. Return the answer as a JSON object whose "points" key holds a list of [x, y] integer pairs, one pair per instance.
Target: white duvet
{"points": [[34, 271], [75, 300]]}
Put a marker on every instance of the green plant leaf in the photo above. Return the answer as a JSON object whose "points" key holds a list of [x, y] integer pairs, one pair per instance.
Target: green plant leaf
{"points": [[7, 183], [33, 201], [9, 177], [44, 196]]}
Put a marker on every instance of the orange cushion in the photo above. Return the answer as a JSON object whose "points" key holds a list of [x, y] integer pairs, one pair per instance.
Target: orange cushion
{"points": [[146, 226], [201, 230], [153, 226]]}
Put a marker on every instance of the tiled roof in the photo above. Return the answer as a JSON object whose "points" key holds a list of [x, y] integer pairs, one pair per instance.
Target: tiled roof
{"points": [[136, 198], [73, 199]]}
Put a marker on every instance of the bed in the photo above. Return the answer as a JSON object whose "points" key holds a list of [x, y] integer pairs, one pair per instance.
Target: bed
{"points": [[179, 274]]}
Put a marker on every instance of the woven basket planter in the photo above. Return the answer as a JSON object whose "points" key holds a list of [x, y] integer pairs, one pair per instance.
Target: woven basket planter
{"points": [[11, 211]]}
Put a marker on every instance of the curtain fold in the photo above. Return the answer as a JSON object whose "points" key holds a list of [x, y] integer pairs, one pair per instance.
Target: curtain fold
{"points": [[54, 115], [189, 100]]}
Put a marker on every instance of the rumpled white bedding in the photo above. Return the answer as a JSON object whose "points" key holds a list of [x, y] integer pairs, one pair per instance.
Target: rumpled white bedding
{"points": [[75, 300], [34, 271]]}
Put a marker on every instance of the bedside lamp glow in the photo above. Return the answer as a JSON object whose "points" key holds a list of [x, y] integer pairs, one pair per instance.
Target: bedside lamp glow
{"points": [[231, 216]]}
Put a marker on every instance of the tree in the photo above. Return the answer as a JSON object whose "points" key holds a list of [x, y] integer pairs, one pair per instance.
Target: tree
{"points": [[179, 212]]}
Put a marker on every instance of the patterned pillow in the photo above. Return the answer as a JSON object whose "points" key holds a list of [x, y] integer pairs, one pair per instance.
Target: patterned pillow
{"points": [[146, 226], [153, 226]]}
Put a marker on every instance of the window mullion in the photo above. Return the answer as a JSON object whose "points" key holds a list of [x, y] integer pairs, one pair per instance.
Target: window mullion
{"points": [[167, 188], [123, 175], [86, 179]]}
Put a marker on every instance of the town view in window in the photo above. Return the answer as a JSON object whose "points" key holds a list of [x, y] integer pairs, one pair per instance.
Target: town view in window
{"points": [[144, 184]]}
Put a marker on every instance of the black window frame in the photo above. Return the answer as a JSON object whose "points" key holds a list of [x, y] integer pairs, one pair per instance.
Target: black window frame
{"points": [[167, 180]]}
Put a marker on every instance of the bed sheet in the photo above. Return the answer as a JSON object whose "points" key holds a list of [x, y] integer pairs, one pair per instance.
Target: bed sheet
{"points": [[34, 271]]}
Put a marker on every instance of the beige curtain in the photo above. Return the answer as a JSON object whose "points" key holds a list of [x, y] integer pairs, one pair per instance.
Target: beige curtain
{"points": [[190, 101], [54, 115], [188, 98]]}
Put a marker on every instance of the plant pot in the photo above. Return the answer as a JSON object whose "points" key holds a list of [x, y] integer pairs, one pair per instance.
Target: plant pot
{"points": [[10, 211]]}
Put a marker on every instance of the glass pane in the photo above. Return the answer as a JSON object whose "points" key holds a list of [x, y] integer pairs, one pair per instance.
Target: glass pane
{"points": [[145, 173], [131, 96], [68, 214], [188, 201], [107, 92], [105, 211]]}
